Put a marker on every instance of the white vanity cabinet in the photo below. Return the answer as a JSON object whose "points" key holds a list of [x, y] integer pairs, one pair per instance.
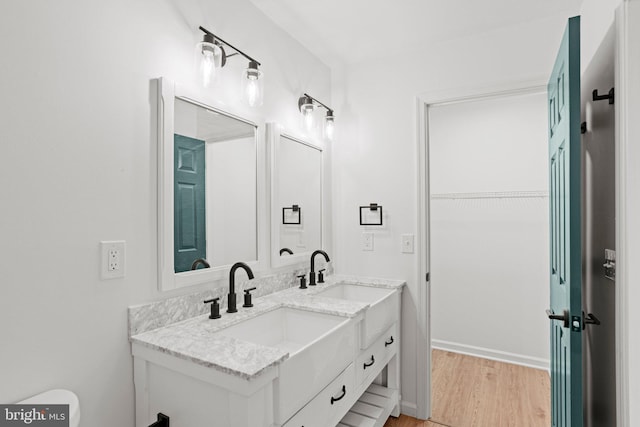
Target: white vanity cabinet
{"points": [[352, 394], [329, 380]]}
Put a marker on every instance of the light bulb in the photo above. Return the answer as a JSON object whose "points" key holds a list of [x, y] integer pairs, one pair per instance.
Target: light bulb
{"points": [[252, 83], [305, 104], [329, 125], [308, 118], [207, 68]]}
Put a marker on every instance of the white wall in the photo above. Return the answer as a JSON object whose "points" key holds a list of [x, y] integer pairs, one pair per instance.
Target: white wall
{"points": [[490, 255], [79, 167], [299, 181], [375, 148], [231, 215], [596, 17]]}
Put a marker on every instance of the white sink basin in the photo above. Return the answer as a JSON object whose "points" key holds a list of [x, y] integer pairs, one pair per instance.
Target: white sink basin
{"points": [[284, 328], [380, 315], [320, 346], [353, 292]]}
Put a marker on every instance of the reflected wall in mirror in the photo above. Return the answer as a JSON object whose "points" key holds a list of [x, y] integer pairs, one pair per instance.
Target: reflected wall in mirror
{"points": [[296, 198], [208, 192]]}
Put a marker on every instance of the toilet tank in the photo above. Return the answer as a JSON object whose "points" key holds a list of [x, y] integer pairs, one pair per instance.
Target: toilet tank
{"points": [[58, 397]]}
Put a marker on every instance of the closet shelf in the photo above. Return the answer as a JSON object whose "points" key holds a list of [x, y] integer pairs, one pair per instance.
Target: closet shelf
{"points": [[493, 195]]}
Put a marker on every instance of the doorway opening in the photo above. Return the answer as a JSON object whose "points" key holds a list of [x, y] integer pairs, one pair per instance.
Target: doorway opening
{"points": [[485, 225]]}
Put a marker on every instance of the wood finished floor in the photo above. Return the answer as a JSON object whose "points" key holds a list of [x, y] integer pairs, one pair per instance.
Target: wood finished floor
{"points": [[474, 392]]}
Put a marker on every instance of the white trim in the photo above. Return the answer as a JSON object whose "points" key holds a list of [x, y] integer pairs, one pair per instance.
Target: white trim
{"points": [[424, 101], [491, 354], [625, 64], [408, 408], [423, 253]]}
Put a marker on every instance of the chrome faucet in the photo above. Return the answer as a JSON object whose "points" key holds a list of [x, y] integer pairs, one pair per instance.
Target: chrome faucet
{"points": [[231, 298], [312, 274]]}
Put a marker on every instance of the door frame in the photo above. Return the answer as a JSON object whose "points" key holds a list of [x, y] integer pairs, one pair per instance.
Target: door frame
{"points": [[423, 331], [627, 209], [627, 205]]}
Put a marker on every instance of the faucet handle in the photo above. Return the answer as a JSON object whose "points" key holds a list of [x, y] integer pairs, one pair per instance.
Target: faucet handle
{"points": [[215, 308], [321, 276], [303, 281], [247, 297]]}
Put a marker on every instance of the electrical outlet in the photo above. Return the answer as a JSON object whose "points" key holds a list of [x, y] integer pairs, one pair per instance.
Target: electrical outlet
{"points": [[367, 241], [112, 256], [407, 243]]}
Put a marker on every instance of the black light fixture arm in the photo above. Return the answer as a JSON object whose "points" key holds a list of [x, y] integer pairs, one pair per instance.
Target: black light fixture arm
{"points": [[204, 30], [318, 102]]}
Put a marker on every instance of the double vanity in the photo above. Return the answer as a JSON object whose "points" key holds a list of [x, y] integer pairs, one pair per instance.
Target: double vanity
{"points": [[232, 187], [322, 356]]}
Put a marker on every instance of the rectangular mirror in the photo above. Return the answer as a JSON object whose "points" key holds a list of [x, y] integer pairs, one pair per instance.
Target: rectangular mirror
{"points": [[208, 190], [296, 197]]}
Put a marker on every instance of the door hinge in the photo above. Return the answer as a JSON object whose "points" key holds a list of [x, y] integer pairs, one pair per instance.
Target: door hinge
{"points": [[427, 278]]}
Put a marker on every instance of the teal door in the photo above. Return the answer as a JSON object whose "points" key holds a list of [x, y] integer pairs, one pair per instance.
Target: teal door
{"points": [[565, 224], [189, 232]]}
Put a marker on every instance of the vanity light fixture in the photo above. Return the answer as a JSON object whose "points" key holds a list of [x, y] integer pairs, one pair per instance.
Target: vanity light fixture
{"points": [[212, 56], [307, 105]]}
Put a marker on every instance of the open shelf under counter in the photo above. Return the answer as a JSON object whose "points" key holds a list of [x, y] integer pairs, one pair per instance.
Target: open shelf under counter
{"points": [[372, 409]]}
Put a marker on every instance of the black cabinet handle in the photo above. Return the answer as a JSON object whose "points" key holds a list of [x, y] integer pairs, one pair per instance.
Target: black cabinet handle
{"points": [[163, 421], [373, 360], [344, 393], [388, 343]]}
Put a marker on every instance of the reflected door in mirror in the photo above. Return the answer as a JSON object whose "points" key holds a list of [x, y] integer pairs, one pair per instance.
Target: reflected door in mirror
{"points": [[189, 202]]}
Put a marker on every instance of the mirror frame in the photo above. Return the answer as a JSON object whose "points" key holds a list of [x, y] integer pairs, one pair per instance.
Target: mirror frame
{"points": [[168, 279], [274, 133]]}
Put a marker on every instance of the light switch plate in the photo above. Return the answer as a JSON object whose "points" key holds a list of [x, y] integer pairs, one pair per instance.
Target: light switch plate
{"points": [[367, 241], [407, 243], [301, 243], [112, 259]]}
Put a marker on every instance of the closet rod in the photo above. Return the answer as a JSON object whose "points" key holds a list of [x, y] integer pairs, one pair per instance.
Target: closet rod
{"points": [[493, 195]]}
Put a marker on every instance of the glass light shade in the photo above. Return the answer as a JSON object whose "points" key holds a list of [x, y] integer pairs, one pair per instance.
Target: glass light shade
{"points": [[252, 85], [307, 117], [329, 126], [305, 104], [210, 57]]}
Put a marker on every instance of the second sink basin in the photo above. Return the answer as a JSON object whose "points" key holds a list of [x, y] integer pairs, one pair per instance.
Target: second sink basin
{"points": [[382, 311], [284, 328], [353, 292], [319, 346]]}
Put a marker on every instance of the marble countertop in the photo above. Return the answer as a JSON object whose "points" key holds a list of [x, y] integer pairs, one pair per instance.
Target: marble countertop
{"points": [[195, 339]]}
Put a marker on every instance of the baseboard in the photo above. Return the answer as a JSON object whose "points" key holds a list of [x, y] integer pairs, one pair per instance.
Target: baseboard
{"points": [[408, 408], [487, 353]]}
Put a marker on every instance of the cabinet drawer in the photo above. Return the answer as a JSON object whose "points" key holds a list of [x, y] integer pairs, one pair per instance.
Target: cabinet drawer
{"points": [[330, 405], [371, 361]]}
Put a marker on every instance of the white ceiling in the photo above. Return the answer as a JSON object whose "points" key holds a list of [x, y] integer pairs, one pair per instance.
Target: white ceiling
{"points": [[352, 31]]}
